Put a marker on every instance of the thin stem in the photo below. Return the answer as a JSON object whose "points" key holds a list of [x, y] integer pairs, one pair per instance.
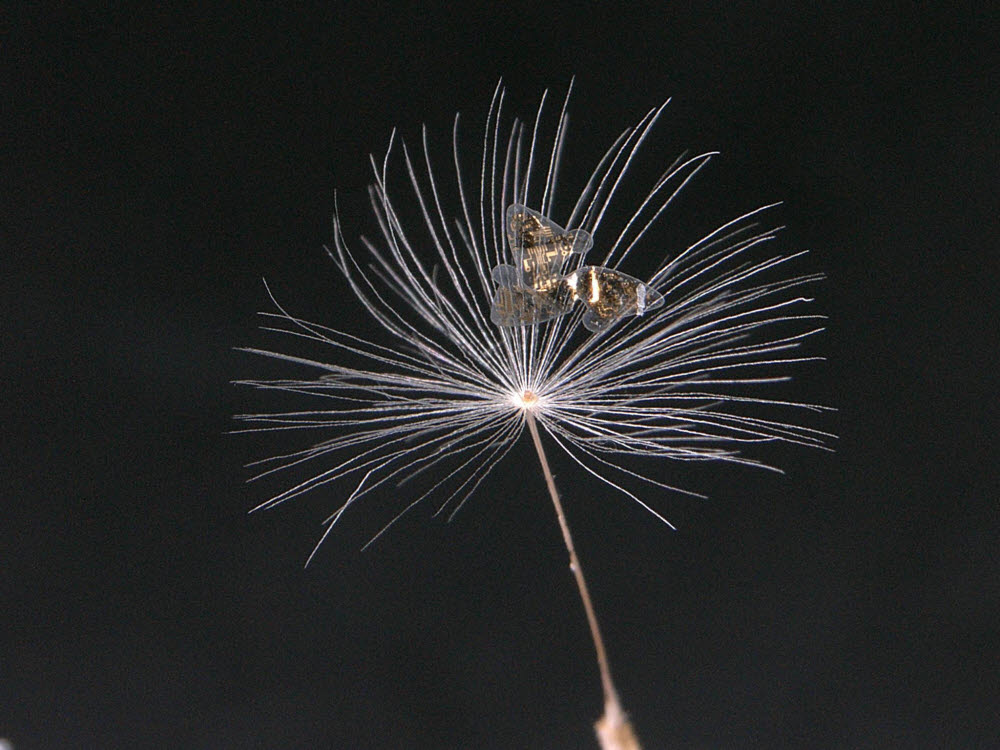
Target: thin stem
{"points": [[613, 729]]}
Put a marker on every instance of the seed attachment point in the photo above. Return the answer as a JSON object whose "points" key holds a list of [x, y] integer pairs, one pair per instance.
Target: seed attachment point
{"points": [[526, 400]]}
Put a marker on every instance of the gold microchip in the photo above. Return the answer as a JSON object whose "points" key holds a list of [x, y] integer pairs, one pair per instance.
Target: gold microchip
{"points": [[536, 289], [540, 247], [610, 295]]}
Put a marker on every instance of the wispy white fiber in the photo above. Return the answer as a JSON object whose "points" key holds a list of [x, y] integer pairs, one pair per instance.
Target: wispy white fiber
{"points": [[690, 381]]}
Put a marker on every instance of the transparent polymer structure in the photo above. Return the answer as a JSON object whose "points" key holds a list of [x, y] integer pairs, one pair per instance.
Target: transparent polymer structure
{"points": [[538, 288]]}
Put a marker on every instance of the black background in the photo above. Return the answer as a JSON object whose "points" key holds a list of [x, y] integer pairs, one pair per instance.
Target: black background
{"points": [[159, 164]]}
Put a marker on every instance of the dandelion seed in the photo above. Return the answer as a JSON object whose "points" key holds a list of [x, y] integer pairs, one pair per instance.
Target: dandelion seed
{"points": [[495, 331]]}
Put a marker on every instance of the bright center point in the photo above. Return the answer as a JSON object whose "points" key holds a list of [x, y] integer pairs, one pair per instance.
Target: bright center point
{"points": [[526, 399]]}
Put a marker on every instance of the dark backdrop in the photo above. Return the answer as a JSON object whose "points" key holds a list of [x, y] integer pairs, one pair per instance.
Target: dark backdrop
{"points": [[159, 164]]}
